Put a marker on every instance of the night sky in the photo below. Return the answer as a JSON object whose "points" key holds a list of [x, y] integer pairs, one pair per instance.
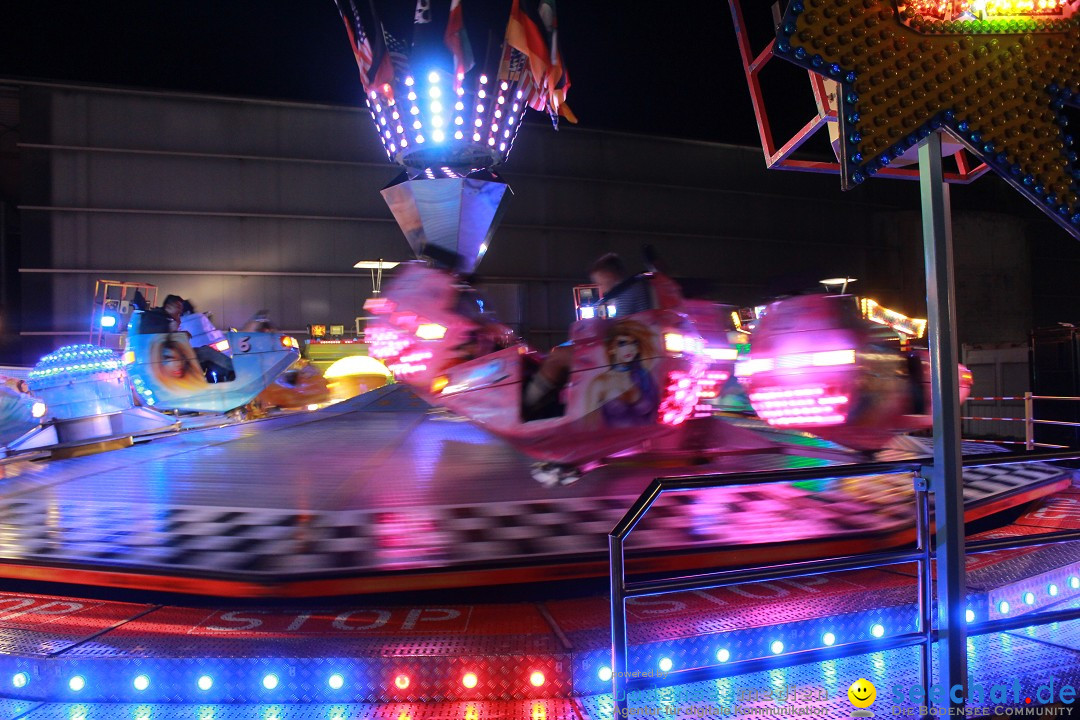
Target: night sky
{"points": [[646, 68]]}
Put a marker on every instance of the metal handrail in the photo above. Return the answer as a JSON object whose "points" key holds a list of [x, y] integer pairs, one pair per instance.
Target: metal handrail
{"points": [[1025, 396], [1029, 419], [922, 554]]}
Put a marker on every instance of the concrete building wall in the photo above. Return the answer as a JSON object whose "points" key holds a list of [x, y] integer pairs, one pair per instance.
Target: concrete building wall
{"points": [[243, 204]]}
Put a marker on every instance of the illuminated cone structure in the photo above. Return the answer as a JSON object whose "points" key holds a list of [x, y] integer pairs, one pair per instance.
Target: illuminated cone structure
{"points": [[446, 120], [456, 215]]}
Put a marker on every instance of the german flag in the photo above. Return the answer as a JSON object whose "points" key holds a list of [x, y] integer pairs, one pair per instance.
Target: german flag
{"points": [[533, 31]]}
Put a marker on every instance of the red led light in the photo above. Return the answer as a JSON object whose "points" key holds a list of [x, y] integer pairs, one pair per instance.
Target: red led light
{"points": [[537, 679], [402, 682], [469, 680]]}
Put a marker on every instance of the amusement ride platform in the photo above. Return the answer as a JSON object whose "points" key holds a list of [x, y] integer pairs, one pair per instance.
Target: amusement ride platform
{"points": [[384, 493]]}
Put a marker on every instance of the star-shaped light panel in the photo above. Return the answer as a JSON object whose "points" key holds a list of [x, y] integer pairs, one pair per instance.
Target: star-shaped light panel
{"points": [[996, 73]]}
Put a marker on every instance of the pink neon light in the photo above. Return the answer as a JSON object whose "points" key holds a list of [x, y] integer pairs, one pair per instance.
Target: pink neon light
{"points": [[386, 342], [800, 406], [680, 396], [816, 420], [779, 394], [409, 364]]}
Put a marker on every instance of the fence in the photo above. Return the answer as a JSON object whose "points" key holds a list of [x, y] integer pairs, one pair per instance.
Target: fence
{"points": [[925, 633], [1029, 420]]}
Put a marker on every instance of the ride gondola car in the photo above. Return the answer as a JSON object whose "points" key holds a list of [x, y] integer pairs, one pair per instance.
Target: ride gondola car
{"points": [[634, 381], [817, 365], [167, 375]]}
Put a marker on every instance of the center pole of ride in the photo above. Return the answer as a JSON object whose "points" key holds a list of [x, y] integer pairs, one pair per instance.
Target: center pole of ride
{"points": [[946, 484]]}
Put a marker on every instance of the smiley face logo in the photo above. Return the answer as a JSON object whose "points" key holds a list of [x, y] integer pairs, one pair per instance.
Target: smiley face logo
{"points": [[862, 693]]}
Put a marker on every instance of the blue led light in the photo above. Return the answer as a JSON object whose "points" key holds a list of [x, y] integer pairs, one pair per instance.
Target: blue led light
{"points": [[77, 683], [665, 664], [722, 655], [205, 682], [1074, 582], [108, 321], [141, 683], [877, 630], [829, 639], [1052, 590], [777, 647], [969, 615], [72, 362], [1003, 607], [604, 674], [20, 679], [1029, 598], [433, 77], [270, 681], [336, 681]]}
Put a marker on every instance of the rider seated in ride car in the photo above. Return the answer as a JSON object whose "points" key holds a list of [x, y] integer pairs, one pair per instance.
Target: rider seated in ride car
{"points": [[217, 366], [621, 295]]}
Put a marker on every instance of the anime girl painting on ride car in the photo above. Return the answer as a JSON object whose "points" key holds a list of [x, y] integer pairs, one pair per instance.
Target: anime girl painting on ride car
{"points": [[174, 364], [626, 394]]}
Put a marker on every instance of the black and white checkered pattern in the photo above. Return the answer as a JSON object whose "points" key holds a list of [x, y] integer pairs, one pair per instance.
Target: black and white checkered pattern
{"points": [[290, 543]]}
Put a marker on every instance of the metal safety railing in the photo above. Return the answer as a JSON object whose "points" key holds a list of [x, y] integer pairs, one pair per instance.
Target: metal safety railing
{"points": [[922, 554], [1029, 419]]}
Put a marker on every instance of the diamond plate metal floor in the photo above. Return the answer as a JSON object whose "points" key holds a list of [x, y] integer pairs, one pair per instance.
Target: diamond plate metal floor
{"points": [[300, 505], [993, 660], [530, 710], [544, 657]]}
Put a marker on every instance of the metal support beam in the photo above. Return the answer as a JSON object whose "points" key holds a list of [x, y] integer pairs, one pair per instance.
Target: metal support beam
{"points": [[620, 643], [946, 484]]}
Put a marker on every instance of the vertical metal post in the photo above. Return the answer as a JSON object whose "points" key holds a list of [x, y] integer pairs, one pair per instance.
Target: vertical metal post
{"points": [[924, 580], [946, 483], [619, 640], [1029, 422]]}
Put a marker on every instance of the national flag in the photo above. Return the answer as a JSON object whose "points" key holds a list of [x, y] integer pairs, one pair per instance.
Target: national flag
{"points": [[458, 41], [558, 81], [358, 40], [398, 52], [523, 34], [533, 30], [386, 62], [514, 70], [427, 51], [422, 14]]}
